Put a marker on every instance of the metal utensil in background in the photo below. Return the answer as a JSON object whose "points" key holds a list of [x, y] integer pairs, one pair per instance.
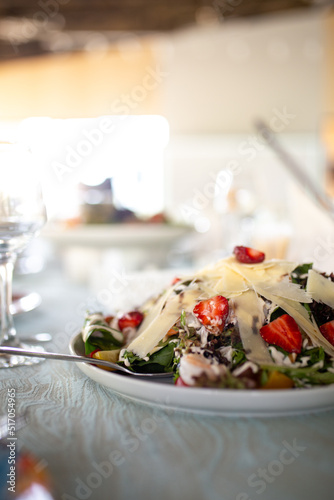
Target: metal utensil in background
{"points": [[318, 195], [15, 351]]}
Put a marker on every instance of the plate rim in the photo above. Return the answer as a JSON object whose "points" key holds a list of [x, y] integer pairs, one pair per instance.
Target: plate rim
{"points": [[224, 402]]}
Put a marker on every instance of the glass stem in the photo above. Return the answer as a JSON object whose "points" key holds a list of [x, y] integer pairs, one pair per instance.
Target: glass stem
{"points": [[8, 332]]}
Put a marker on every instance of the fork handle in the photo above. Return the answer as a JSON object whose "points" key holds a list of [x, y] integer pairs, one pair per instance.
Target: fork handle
{"points": [[53, 355]]}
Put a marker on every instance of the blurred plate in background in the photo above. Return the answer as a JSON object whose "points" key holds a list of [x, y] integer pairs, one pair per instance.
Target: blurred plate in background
{"points": [[111, 235]]}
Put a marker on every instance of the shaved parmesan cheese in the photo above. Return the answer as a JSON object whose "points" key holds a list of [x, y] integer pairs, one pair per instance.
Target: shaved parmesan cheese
{"points": [[159, 326], [274, 280], [154, 311], [320, 288], [288, 290], [243, 285], [208, 288], [249, 310], [231, 284], [272, 273], [300, 315]]}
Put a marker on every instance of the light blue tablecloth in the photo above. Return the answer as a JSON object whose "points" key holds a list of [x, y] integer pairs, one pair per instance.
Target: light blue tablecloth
{"points": [[98, 445]]}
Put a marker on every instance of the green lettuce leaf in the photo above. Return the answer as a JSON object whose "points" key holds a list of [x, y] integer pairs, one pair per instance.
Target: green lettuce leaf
{"points": [[159, 361], [303, 376], [102, 338]]}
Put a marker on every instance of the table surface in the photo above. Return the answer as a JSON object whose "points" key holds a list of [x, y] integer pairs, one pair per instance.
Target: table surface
{"points": [[99, 445]]}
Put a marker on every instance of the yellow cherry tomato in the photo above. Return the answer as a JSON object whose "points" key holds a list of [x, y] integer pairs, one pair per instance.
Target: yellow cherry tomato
{"points": [[278, 380]]}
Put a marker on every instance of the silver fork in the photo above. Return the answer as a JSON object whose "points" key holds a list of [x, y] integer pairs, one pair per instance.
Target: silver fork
{"points": [[78, 359]]}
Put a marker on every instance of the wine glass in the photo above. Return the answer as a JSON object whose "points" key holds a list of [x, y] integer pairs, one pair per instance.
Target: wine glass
{"points": [[22, 215]]}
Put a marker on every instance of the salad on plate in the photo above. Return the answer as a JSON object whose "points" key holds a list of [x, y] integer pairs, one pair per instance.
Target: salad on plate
{"points": [[244, 322]]}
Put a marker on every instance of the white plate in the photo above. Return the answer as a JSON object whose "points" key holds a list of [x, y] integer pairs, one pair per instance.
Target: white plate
{"points": [[226, 402]]}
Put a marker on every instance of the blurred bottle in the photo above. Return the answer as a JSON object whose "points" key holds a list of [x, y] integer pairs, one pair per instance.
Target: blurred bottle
{"points": [[96, 202]]}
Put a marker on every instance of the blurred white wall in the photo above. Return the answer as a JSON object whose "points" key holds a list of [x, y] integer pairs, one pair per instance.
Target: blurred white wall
{"points": [[222, 76], [213, 78], [220, 79], [210, 82]]}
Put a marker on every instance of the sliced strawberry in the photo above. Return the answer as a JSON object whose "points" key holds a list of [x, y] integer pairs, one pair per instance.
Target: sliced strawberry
{"points": [[108, 319], [175, 280], [180, 382], [328, 331], [212, 313], [284, 333], [131, 319], [247, 255]]}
